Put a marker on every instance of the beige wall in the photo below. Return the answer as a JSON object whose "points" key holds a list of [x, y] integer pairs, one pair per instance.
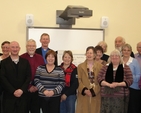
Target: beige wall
{"points": [[124, 18]]}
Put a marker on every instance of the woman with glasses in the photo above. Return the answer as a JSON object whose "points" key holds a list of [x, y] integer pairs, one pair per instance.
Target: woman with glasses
{"points": [[135, 92], [114, 79]]}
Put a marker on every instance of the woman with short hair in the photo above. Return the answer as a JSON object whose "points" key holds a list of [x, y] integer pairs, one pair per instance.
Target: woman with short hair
{"points": [[68, 97], [135, 92], [114, 79], [49, 79]]}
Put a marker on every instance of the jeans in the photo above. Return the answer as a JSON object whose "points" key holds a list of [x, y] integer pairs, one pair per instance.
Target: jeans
{"points": [[68, 106]]}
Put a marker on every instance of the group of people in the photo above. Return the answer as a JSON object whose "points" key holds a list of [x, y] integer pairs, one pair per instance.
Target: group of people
{"points": [[101, 84]]}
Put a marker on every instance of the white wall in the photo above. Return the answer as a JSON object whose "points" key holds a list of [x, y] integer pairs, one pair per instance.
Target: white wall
{"points": [[124, 18]]}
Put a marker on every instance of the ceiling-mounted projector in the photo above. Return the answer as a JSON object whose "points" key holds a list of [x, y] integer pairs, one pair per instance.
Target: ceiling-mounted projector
{"points": [[72, 11]]}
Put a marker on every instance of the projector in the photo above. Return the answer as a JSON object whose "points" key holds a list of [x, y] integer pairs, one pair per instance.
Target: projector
{"points": [[75, 12]]}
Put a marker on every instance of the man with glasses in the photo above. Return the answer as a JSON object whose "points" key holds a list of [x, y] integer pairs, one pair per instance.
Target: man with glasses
{"points": [[35, 60]]}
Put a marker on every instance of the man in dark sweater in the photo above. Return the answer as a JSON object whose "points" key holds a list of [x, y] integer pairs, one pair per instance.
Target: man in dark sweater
{"points": [[15, 75]]}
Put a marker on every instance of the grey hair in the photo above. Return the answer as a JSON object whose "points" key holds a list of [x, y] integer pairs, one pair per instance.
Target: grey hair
{"points": [[103, 43], [30, 40], [116, 52]]}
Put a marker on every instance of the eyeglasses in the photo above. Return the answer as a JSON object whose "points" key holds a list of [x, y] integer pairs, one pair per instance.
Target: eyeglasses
{"points": [[116, 56], [5, 47]]}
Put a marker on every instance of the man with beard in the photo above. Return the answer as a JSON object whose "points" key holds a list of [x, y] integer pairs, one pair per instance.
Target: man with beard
{"points": [[35, 60], [119, 42]]}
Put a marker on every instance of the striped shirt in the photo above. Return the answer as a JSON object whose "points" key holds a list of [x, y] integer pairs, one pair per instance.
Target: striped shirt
{"points": [[118, 91], [53, 80]]}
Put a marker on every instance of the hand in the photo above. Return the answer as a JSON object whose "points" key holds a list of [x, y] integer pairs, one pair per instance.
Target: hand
{"points": [[18, 93], [113, 85], [51, 93], [33, 89], [88, 93], [63, 97], [48, 93]]}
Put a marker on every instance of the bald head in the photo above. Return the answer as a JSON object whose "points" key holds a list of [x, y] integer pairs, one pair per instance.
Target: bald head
{"points": [[139, 47], [14, 48], [119, 42]]}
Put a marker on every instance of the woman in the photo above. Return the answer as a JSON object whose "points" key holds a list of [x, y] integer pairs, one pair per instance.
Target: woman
{"points": [[103, 44], [135, 92], [49, 80], [68, 97], [114, 79], [99, 54], [5, 46], [88, 100]]}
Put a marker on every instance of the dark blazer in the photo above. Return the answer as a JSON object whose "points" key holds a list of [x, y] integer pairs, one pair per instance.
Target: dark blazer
{"points": [[39, 51], [105, 57], [132, 54], [11, 80]]}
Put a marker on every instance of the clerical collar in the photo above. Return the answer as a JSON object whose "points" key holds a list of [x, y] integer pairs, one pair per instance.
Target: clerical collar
{"points": [[31, 55]]}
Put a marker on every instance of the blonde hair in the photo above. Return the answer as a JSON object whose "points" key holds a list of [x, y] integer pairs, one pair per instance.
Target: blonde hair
{"points": [[127, 46], [115, 52], [103, 43]]}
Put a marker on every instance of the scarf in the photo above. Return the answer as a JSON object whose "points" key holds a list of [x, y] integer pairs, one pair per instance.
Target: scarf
{"points": [[118, 76], [68, 73]]}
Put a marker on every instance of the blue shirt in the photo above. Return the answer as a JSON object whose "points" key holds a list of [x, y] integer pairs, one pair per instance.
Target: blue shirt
{"points": [[44, 51], [135, 69]]}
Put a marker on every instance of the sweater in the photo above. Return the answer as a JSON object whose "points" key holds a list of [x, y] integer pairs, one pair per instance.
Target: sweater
{"points": [[54, 80], [119, 91]]}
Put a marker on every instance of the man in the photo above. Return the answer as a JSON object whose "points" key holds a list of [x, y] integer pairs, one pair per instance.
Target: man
{"points": [[14, 77], [45, 40], [35, 60], [138, 55], [119, 42]]}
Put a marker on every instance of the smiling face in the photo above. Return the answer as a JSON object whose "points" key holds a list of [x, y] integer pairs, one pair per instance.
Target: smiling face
{"points": [[50, 59], [115, 57], [45, 41], [31, 47], [14, 48], [119, 42], [126, 52], [98, 55], [67, 59], [90, 54], [5, 48]]}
